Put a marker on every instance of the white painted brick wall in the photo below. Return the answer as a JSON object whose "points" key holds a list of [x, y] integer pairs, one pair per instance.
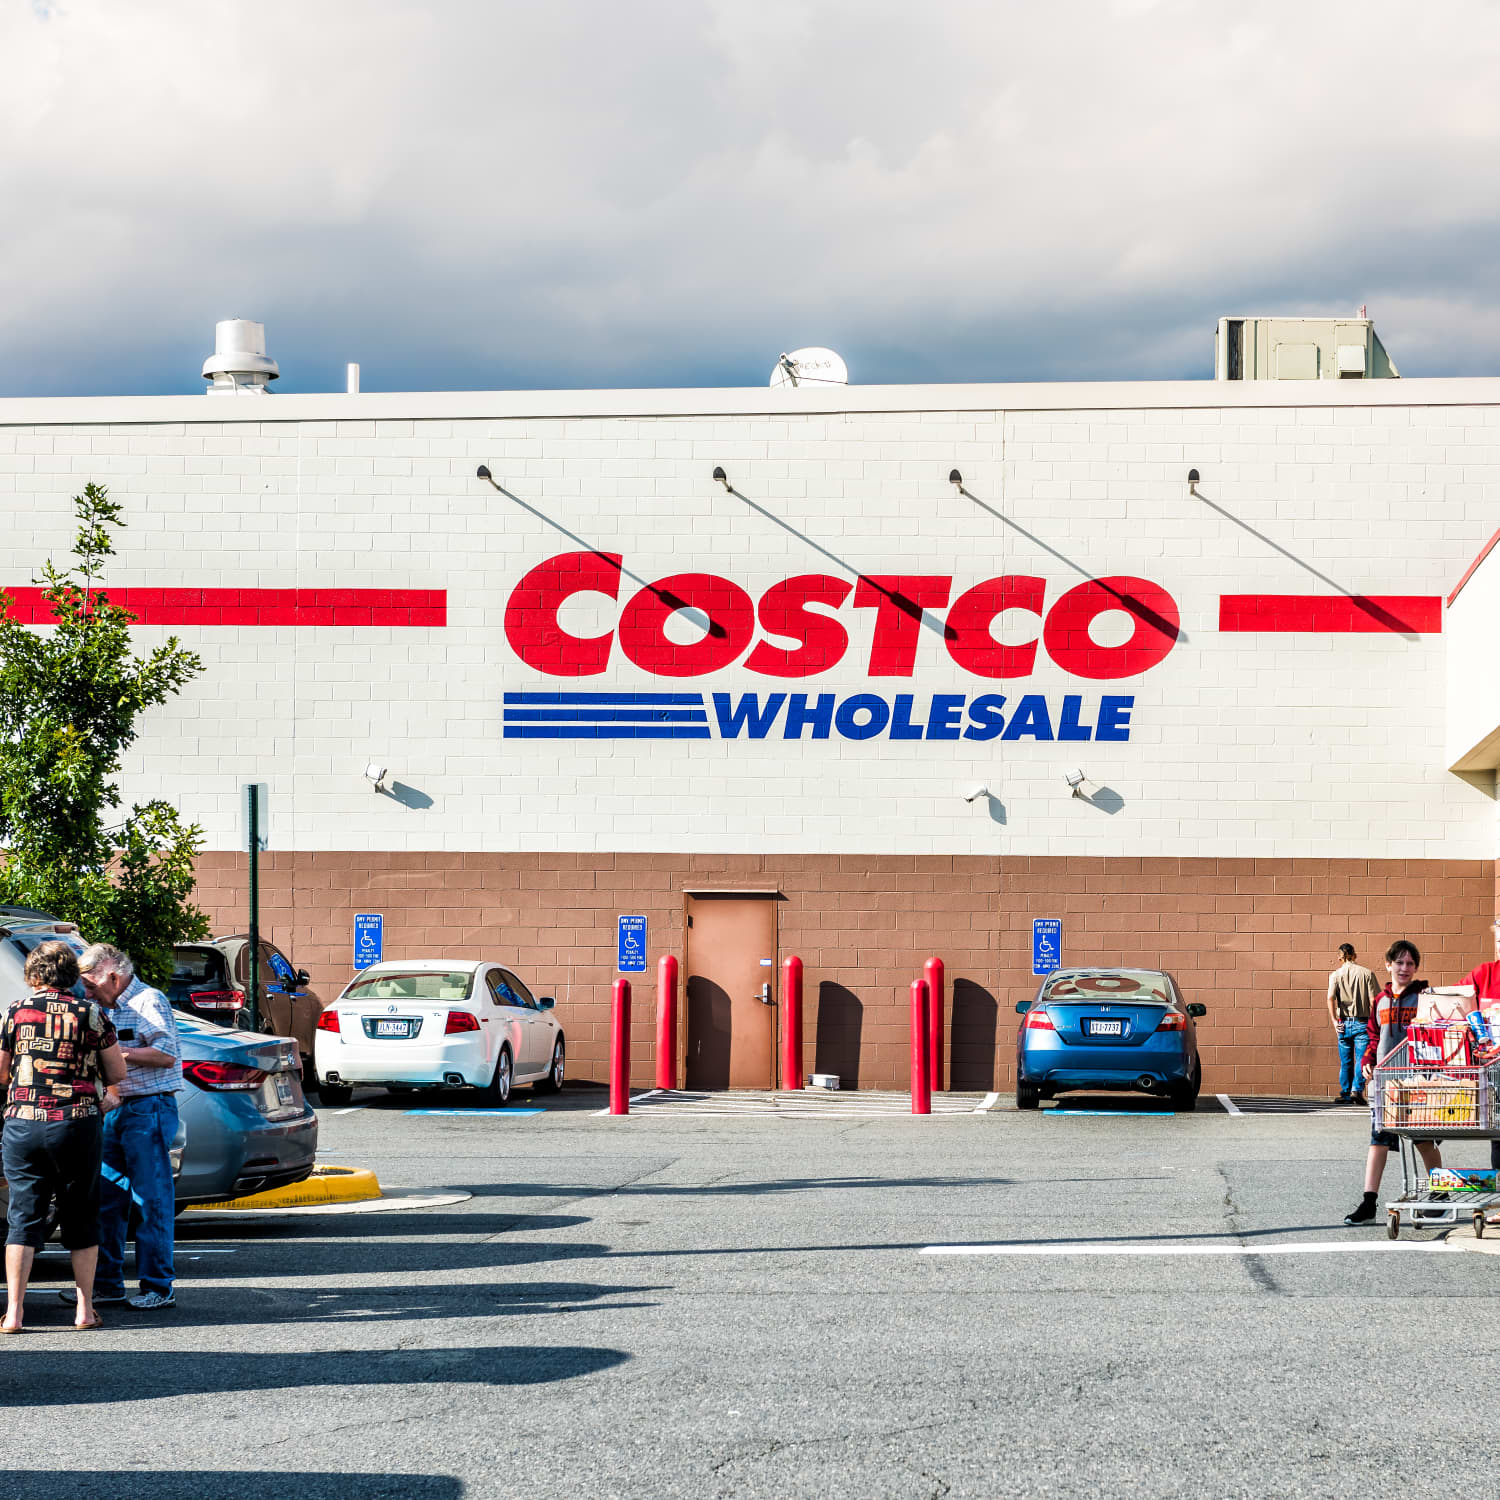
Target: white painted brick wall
{"points": [[1242, 745]]}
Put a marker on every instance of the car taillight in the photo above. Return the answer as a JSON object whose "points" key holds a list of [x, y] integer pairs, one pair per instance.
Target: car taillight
{"points": [[216, 999], [460, 1020], [1037, 1019], [217, 1075], [328, 1020], [1174, 1020]]}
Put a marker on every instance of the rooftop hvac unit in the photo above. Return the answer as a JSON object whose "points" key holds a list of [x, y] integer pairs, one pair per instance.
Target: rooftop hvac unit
{"points": [[1300, 349]]}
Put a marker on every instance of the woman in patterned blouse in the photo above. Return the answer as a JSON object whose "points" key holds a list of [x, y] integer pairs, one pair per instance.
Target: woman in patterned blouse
{"points": [[55, 1051]]}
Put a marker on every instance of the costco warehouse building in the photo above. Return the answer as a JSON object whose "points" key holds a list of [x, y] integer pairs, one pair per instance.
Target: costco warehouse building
{"points": [[756, 709]]}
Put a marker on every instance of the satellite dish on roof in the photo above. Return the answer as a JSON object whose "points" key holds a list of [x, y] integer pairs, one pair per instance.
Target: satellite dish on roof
{"points": [[810, 367]]}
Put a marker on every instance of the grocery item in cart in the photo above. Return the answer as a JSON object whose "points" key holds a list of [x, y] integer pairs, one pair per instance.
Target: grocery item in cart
{"points": [[1479, 1028], [1429, 1099], [1440, 1046], [1461, 1180], [1451, 1003]]}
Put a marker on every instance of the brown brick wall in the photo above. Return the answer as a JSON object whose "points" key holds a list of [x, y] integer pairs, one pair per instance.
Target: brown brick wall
{"points": [[1252, 939]]}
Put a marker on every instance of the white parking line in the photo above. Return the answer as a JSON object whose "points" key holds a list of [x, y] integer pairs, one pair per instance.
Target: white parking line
{"points": [[1327, 1247], [353, 1107], [990, 1100], [1230, 1107]]}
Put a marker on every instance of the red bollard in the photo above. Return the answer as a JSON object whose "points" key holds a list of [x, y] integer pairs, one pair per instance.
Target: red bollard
{"points": [[933, 969], [921, 1084], [666, 1022], [619, 1050], [791, 1023]]}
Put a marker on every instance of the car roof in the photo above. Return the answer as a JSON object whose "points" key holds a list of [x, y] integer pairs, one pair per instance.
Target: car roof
{"points": [[432, 965], [1108, 969]]}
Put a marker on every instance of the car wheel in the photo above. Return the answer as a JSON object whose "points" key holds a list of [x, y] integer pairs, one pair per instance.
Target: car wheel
{"points": [[1028, 1096], [553, 1082], [498, 1092], [335, 1094]]}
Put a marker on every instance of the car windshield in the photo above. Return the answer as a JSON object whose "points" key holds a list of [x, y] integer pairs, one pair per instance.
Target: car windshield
{"points": [[413, 984], [1138, 986]]}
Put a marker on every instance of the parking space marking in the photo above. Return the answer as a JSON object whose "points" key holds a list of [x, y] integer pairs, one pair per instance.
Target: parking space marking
{"points": [[1322, 1247], [1230, 1107], [351, 1109], [990, 1101], [489, 1114], [1129, 1114]]}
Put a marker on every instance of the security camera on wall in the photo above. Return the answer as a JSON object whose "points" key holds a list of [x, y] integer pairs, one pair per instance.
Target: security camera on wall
{"points": [[976, 792]]}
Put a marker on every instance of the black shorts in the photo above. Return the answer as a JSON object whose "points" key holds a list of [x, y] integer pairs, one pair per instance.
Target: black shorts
{"points": [[1390, 1140], [49, 1161]]}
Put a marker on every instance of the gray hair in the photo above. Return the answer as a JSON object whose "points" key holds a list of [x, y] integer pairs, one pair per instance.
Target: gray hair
{"points": [[107, 957]]}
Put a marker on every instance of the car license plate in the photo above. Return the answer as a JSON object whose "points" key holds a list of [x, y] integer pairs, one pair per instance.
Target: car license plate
{"points": [[390, 1028], [1106, 1028], [284, 1093]]}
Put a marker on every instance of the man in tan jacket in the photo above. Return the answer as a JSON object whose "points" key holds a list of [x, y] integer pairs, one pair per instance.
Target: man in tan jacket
{"points": [[1351, 992]]}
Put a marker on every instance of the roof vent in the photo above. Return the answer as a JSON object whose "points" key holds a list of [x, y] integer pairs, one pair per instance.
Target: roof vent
{"points": [[239, 363]]}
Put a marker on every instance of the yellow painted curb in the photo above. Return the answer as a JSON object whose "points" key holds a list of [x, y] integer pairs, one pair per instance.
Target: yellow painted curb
{"points": [[326, 1185]]}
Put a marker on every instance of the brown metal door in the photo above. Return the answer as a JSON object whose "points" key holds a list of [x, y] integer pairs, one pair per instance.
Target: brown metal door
{"points": [[731, 965]]}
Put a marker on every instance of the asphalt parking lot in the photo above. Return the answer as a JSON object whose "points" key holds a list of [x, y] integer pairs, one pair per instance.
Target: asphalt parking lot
{"points": [[697, 1304]]}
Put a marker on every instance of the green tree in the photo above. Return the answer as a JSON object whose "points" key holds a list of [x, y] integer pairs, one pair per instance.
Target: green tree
{"points": [[70, 699]]}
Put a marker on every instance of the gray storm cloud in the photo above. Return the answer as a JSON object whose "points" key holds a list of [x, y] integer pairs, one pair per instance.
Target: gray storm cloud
{"points": [[668, 193]]}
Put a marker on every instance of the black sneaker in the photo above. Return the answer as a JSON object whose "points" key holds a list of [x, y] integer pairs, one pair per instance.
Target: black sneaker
{"points": [[1361, 1215], [1344, 1099], [101, 1299], [1360, 1099]]}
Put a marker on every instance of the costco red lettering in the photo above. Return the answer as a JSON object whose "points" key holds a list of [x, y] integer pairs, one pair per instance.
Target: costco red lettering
{"points": [[1070, 645], [731, 623], [969, 639], [531, 614], [898, 602], [820, 642]]}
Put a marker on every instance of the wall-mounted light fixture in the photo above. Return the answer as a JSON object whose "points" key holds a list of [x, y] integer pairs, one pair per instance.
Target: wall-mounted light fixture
{"points": [[723, 479], [955, 479], [483, 472], [976, 792], [1193, 477], [375, 775]]}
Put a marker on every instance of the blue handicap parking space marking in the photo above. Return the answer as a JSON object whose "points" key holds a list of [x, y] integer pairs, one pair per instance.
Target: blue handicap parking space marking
{"points": [[1128, 1114]]}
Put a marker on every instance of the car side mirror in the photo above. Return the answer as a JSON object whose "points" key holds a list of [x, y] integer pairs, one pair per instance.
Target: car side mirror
{"points": [[1197, 1010], [546, 1002], [1022, 1006], [303, 978]]}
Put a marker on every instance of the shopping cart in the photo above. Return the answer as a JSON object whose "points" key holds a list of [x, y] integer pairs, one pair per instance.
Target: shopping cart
{"points": [[1426, 1101]]}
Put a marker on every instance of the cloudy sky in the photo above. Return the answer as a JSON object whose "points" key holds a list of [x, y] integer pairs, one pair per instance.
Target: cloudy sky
{"points": [[468, 194]]}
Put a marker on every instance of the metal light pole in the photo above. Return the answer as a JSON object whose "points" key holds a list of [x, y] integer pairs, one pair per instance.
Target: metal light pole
{"points": [[252, 820]]}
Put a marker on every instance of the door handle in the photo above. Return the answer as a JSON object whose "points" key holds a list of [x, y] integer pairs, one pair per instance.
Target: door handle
{"points": [[764, 995]]}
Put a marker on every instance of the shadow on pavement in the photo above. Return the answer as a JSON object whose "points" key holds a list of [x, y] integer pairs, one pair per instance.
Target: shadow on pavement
{"points": [[55, 1377], [721, 1189], [193, 1484]]}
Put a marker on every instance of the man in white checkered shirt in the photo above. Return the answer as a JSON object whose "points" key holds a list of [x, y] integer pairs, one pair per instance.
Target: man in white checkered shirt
{"points": [[138, 1136]]}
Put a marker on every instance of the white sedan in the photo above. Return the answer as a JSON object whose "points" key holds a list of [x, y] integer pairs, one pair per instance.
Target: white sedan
{"points": [[438, 1023]]}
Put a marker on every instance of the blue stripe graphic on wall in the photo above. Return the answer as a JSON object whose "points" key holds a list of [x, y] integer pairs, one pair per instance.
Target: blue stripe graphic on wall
{"points": [[605, 716]]}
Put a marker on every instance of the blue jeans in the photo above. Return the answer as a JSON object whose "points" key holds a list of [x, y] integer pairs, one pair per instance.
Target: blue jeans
{"points": [[138, 1175], [1353, 1037]]}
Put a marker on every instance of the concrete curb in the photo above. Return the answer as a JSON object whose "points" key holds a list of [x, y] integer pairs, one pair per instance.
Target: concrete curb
{"points": [[1464, 1238], [326, 1185]]}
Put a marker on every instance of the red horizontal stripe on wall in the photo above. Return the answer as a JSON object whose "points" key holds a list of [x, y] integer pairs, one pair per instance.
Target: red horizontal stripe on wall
{"points": [[394, 607], [1333, 614]]}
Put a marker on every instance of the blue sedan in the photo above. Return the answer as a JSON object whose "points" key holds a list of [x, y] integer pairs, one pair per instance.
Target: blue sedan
{"points": [[1108, 1029]]}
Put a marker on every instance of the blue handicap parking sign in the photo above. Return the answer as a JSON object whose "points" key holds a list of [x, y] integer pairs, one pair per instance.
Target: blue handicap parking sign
{"points": [[369, 938], [632, 945], [1046, 945]]}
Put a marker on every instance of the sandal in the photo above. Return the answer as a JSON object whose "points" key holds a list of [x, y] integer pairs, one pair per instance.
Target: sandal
{"points": [[4, 1329], [89, 1327]]}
